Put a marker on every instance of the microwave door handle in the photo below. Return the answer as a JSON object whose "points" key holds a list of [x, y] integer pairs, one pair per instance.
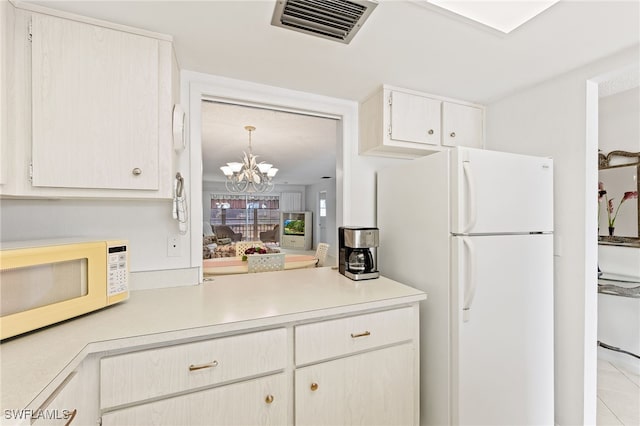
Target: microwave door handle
{"points": [[471, 279], [472, 209]]}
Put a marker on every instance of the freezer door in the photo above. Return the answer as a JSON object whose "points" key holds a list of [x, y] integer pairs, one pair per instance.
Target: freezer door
{"points": [[502, 330], [498, 192]]}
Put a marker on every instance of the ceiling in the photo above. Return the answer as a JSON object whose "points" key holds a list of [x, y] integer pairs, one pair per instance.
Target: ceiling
{"points": [[405, 43], [302, 147]]}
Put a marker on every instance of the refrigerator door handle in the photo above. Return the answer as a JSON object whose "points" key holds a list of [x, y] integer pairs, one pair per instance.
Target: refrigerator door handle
{"points": [[470, 284], [472, 207]]}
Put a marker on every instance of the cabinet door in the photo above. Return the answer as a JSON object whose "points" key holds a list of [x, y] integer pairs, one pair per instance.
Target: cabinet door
{"points": [[256, 402], [372, 388], [414, 118], [462, 125], [74, 402], [94, 106]]}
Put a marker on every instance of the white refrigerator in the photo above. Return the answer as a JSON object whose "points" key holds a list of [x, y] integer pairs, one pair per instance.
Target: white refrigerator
{"points": [[474, 230]]}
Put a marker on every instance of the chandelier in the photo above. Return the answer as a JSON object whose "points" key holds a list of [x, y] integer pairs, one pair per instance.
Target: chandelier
{"points": [[249, 176]]}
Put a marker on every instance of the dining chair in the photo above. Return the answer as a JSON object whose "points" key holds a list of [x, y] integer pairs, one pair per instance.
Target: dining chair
{"points": [[321, 253], [265, 262]]}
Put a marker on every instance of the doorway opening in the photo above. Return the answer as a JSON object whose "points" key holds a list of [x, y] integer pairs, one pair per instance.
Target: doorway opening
{"points": [[302, 145]]}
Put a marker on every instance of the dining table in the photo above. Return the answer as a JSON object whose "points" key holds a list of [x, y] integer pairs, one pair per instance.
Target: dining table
{"points": [[235, 265]]}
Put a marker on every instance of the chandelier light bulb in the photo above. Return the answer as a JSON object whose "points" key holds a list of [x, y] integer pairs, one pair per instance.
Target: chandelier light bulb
{"points": [[264, 167], [235, 167], [226, 170]]}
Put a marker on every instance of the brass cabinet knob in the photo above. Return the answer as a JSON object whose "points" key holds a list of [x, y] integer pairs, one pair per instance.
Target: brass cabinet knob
{"points": [[430, 131], [452, 134], [269, 399], [137, 171], [314, 387]]}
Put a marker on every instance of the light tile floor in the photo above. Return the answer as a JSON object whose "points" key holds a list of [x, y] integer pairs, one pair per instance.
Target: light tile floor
{"points": [[618, 396]]}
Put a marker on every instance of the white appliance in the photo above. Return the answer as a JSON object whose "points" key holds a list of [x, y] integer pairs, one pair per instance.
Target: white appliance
{"points": [[473, 229]]}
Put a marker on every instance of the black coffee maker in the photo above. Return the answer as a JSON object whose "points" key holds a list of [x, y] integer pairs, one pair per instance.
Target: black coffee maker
{"points": [[356, 256]]}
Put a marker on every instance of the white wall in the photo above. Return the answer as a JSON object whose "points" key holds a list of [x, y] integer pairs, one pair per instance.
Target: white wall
{"points": [[145, 223], [619, 122], [550, 120]]}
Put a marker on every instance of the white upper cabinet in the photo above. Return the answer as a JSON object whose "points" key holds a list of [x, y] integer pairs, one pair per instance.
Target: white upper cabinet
{"points": [[95, 122], [462, 125], [92, 108], [414, 118], [404, 123]]}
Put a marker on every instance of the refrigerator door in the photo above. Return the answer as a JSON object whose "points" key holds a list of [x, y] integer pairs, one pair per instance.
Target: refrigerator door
{"points": [[502, 330], [497, 192]]}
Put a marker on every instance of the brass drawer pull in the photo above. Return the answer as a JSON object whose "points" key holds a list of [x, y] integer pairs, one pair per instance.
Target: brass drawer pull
{"points": [[314, 387], [366, 333], [213, 363], [269, 399], [72, 415]]}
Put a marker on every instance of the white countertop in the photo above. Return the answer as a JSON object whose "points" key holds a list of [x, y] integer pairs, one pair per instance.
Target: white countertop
{"points": [[35, 361]]}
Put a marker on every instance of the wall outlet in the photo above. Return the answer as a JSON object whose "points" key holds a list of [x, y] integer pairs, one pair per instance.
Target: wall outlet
{"points": [[173, 246]]}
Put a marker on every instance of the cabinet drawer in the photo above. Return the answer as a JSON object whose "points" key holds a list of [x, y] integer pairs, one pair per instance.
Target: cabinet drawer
{"points": [[254, 402], [137, 376], [328, 339]]}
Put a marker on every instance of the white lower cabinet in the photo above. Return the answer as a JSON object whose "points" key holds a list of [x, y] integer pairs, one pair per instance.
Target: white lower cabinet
{"points": [[65, 405], [74, 401], [358, 368], [262, 401], [233, 380], [373, 388]]}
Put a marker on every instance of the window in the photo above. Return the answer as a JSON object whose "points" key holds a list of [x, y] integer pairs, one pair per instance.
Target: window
{"points": [[246, 214]]}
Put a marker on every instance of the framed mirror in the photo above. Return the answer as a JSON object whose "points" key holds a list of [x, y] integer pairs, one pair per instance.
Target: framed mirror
{"points": [[618, 201]]}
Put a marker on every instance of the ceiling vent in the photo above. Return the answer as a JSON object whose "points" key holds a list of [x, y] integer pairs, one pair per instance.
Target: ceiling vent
{"points": [[337, 20]]}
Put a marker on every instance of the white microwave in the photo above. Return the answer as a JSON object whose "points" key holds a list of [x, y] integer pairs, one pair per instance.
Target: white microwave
{"points": [[48, 281]]}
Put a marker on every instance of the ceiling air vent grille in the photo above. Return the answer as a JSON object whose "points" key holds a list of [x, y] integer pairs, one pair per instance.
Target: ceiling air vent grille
{"points": [[337, 20]]}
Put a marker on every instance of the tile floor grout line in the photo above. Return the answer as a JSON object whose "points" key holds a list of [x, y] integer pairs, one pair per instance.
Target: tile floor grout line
{"points": [[622, 376], [611, 411], [625, 375]]}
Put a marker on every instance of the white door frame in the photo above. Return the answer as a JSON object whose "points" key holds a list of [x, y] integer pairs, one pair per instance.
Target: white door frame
{"points": [[196, 86], [321, 220]]}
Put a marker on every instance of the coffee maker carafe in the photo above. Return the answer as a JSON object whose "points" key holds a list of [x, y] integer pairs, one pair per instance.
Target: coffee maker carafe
{"points": [[357, 256]]}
